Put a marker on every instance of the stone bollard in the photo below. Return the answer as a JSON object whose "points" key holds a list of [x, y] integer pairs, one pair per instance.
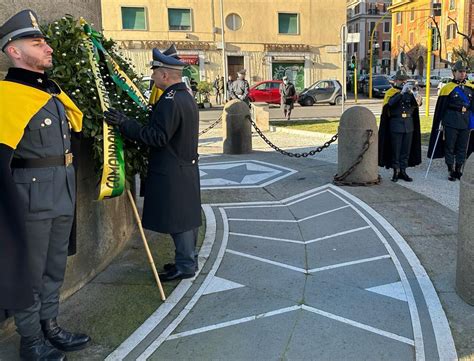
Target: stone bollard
{"points": [[236, 127], [261, 116], [465, 258], [352, 135]]}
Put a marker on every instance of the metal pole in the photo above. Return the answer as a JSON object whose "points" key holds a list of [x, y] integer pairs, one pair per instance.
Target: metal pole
{"points": [[224, 58], [343, 52], [355, 80], [434, 149], [428, 70]]}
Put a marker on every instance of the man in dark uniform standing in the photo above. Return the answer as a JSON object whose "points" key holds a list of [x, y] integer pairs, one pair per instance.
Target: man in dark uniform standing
{"points": [[454, 108], [36, 119], [172, 196], [240, 88], [399, 133]]}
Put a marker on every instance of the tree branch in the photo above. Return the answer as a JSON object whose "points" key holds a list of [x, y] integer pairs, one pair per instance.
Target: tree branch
{"points": [[440, 50], [467, 37]]}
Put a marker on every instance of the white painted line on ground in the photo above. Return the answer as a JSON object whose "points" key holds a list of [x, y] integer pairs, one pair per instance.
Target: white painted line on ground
{"points": [[172, 326], [415, 318], [359, 325], [219, 284], [347, 264], [233, 322], [393, 290], [264, 260], [444, 339], [337, 234], [289, 220], [154, 320], [270, 181], [265, 237]]}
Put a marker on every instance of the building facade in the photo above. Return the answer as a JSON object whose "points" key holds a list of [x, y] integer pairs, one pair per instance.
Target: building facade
{"points": [[362, 18], [411, 19], [270, 39]]}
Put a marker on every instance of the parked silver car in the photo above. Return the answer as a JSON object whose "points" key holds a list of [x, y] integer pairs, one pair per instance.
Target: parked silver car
{"points": [[323, 91]]}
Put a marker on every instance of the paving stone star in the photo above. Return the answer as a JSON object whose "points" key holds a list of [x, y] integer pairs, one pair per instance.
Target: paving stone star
{"points": [[233, 174]]}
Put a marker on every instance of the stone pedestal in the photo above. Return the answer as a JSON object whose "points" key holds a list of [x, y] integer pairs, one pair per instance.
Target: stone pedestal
{"points": [[261, 115], [465, 258], [236, 127], [352, 135]]}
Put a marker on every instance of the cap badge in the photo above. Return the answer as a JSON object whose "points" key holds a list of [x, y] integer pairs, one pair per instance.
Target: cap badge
{"points": [[34, 22]]}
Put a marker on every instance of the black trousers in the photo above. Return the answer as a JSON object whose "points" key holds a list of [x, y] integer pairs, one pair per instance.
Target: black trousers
{"points": [[48, 242], [186, 257], [401, 146], [455, 145]]}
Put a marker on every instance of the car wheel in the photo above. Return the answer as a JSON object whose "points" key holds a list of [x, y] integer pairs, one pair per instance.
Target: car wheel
{"points": [[307, 102], [337, 101]]}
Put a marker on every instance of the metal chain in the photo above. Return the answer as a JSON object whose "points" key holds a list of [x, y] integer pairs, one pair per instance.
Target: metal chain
{"points": [[211, 126], [339, 179], [291, 154]]}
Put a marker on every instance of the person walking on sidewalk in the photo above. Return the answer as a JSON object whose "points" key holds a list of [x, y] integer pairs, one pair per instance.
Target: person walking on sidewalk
{"points": [[35, 121], [399, 132], [287, 97], [453, 113], [172, 195], [217, 90]]}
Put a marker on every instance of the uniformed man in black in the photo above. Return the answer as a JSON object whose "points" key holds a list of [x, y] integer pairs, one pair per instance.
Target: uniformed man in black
{"points": [[240, 88], [399, 133], [172, 195], [36, 118], [454, 109]]}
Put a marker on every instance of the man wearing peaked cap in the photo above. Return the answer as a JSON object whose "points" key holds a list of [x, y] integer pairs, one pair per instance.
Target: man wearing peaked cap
{"points": [[452, 124], [399, 131], [172, 194], [37, 200]]}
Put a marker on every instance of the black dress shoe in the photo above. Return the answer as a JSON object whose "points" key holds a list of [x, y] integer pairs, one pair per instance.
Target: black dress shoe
{"points": [[36, 348], [174, 274], [452, 174], [396, 174], [403, 175], [62, 339]]}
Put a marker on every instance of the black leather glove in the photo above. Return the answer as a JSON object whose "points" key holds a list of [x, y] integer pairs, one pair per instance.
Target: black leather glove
{"points": [[114, 117]]}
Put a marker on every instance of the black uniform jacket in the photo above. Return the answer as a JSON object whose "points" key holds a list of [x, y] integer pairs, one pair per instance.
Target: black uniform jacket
{"points": [[172, 193], [385, 142], [445, 98], [21, 97]]}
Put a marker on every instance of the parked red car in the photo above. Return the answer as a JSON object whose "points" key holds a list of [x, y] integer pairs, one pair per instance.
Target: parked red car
{"points": [[266, 92]]}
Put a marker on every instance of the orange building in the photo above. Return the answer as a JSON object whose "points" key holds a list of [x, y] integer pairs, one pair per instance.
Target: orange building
{"points": [[410, 22]]}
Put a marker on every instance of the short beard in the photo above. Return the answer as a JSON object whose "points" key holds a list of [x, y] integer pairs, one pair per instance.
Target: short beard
{"points": [[35, 63]]}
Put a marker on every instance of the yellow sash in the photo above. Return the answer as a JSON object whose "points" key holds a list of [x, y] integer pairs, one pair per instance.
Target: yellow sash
{"points": [[19, 103], [155, 95], [390, 93]]}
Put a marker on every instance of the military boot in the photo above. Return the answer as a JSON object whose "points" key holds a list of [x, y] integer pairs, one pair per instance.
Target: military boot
{"points": [[403, 175], [396, 174], [452, 173], [62, 339], [36, 348], [458, 171]]}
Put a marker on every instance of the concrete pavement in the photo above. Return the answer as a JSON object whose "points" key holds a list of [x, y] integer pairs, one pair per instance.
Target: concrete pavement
{"points": [[300, 269]]}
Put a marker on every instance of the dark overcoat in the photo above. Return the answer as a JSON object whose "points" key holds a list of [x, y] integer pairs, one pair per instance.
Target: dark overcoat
{"points": [[172, 194]]}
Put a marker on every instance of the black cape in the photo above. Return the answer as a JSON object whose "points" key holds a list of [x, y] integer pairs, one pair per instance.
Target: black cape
{"points": [[440, 109], [16, 291], [385, 140]]}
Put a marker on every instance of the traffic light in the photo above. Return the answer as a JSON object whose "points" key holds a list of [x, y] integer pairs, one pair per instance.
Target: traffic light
{"points": [[353, 62], [436, 9]]}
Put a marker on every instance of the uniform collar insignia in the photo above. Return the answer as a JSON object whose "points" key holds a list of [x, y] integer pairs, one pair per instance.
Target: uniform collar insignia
{"points": [[170, 94], [34, 22], [40, 80]]}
